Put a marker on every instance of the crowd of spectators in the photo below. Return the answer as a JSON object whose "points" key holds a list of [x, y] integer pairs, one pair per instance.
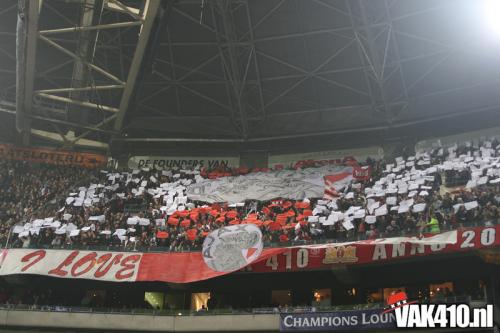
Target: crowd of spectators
{"points": [[68, 207]]}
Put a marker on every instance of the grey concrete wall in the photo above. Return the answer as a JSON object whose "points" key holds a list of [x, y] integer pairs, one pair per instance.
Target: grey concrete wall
{"points": [[205, 323]]}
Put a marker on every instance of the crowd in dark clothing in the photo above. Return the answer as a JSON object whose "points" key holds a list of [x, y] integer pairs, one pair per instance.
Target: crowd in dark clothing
{"points": [[30, 192]]}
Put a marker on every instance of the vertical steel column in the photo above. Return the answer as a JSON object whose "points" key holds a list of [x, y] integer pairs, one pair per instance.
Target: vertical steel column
{"points": [[27, 31], [87, 42], [150, 11], [239, 61], [379, 50]]}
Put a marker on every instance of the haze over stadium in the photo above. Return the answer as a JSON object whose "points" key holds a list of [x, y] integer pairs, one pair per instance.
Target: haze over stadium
{"points": [[248, 165]]}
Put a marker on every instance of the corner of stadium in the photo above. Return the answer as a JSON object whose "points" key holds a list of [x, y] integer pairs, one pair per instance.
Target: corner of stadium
{"points": [[249, 165]]}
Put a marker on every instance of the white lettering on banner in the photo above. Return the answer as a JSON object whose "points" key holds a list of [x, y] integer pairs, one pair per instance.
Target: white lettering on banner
{"points": [[437, 247], [417, 248], [375, 318], [178, 162], [398, 250], [366, 251], [343, 320], [287, 321], [379, 252], [105, 266], [290, 184]]}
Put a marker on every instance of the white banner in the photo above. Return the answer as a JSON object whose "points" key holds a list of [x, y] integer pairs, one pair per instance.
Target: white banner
{"points": [[104, 266], [449, 237], [182, 162], [290, 184], [359, 154]]}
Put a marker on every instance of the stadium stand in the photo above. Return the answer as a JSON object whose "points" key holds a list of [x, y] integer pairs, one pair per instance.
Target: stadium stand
{"points": [[249, 166], [141, 209]]}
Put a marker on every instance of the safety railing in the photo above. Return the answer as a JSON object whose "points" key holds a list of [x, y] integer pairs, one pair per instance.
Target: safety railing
{"points": [[225, 311], [133, 247], [157, 312]]}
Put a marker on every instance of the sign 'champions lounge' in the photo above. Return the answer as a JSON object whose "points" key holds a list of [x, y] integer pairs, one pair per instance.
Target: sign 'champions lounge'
{"points": [[336, 321]]}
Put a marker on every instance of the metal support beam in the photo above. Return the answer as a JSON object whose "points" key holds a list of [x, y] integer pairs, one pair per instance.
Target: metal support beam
{"points": [[76, 57], [256, 63], [377, 45], [91, 12], [91, 88], [68, 140], [372, 56], [27, 26], [79, 103], [230, 58], [174, 71], [9, 109], [71, 108], [236, 57], [150, 11], [90, 28], [117, 6]]}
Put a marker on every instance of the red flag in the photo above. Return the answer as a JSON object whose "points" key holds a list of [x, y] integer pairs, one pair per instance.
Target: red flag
{"points": [[234, 222], [184, 213], [362, 173], [231, 214], [307, 212], [194, 215], [173, 221], [256, 222], [274, 226], [191, 234], [284, 238], [162, 234]]}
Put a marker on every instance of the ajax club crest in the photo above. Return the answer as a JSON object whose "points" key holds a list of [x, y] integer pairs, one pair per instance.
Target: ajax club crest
{"points": [[233, 247]]}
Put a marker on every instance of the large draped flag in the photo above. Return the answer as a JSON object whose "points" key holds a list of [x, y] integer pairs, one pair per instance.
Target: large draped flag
{"points": [[287, 184], [335, 183]]}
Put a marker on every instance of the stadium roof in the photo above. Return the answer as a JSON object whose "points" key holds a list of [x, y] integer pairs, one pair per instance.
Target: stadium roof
{"points": [[232, 75]]}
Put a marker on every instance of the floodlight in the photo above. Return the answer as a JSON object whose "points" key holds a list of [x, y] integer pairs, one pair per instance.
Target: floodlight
{"points": [[491, 9]]}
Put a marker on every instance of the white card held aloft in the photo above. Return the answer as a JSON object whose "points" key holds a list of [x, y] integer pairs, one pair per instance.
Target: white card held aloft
{"points": [[382, 210], [471, 205], [313, 219], [370, 219], [98, 218], [417, 208], [348, 225], [74, 233], [391, 200]]}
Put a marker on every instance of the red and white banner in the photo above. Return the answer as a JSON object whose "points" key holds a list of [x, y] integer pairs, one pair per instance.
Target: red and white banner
{"points": [[190, 267], [362, 173], [335, 183], [263, 186], [177, 267]]}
